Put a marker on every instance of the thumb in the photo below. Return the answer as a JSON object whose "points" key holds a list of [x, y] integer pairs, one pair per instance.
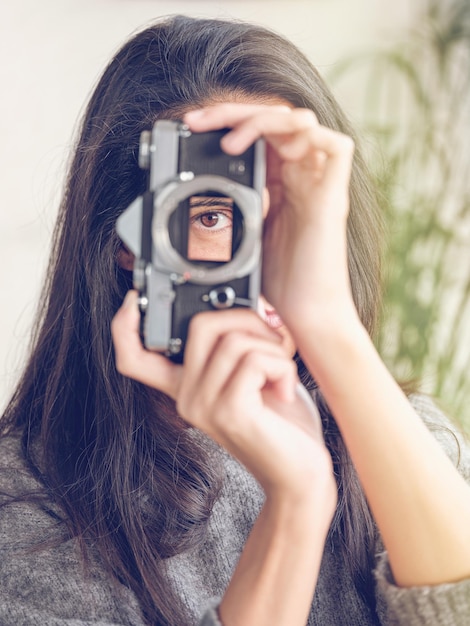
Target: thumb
{"points": [[133, 360]]}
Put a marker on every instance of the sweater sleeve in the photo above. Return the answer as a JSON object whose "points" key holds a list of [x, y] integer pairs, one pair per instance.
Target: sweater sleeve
{"points": [[210, 617], [440, 605]]}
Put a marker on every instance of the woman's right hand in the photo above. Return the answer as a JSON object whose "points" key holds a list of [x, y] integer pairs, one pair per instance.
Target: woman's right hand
{"points": [[240, 387]]}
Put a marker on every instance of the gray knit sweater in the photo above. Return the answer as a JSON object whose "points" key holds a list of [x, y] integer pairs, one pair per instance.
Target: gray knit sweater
{"points": [[52, 587]]}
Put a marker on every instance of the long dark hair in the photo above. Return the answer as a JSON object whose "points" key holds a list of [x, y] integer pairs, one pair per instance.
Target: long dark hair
{"points": [[106, 442]]}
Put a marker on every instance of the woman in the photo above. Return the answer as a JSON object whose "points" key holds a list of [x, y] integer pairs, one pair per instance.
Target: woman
{"points": [[118, 510]]}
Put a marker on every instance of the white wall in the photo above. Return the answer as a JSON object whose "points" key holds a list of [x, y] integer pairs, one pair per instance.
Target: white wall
{"points": [[52, 51]]}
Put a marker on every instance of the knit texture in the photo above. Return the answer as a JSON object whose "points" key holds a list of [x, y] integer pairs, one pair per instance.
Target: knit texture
{"points": [[50, 586]]}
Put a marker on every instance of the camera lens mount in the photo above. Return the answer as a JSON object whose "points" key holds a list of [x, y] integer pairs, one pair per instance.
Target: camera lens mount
{"points": [[169, 259]]}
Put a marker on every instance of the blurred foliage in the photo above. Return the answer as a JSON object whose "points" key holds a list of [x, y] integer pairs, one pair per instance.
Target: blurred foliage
{"points": [[416, 108]]}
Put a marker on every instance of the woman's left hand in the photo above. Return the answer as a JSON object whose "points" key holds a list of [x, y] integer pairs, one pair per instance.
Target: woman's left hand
{"points": [[305, 270]]}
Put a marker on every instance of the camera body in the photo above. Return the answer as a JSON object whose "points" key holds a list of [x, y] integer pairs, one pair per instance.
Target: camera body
{"points": [[195, 233]]}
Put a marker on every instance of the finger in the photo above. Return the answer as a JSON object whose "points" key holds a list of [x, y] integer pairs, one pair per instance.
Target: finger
{"points": [[200, 389], [278, 125], [255, 372], [226, 115], [206, 329], [339, 150], [132, 359]]}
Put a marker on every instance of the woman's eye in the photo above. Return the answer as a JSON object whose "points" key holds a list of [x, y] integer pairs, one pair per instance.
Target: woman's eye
{"points": [[209, 219], [210, 213], [212, 220], [210, 228]]}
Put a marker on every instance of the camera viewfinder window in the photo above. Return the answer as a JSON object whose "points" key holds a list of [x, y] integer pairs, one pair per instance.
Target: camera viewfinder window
{"points": [[210, 227]]}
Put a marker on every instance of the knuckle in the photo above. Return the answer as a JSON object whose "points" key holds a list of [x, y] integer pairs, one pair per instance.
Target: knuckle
{"points": [[231, 343], [197, 323], [282, 108], [347, 143], [251, 360], [307, 116]]}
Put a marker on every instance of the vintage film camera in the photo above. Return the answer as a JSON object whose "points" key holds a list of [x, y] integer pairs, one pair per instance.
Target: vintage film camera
{"points": [[196, 233]]}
